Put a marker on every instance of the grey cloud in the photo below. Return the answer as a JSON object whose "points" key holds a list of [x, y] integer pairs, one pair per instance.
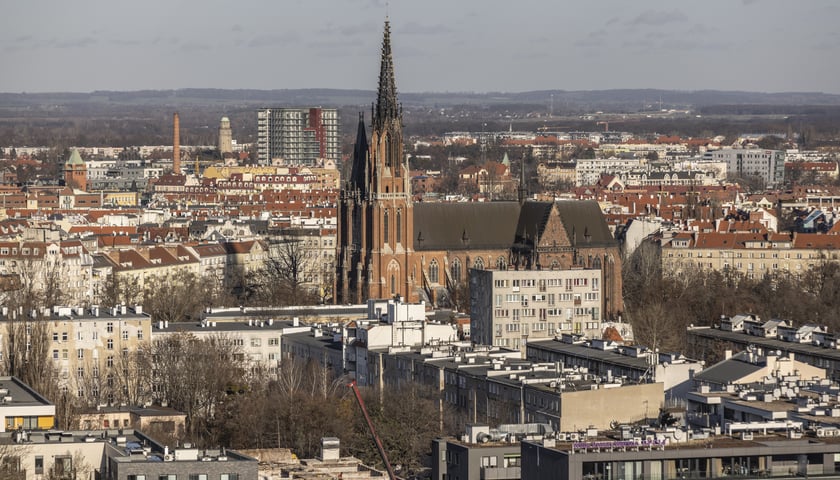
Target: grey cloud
{"points": [[237, 28], [657, 18]]}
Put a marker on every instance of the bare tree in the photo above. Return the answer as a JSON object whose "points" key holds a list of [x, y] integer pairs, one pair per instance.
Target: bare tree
{"points": [[179, 296], [281, 280], [193, 376]]}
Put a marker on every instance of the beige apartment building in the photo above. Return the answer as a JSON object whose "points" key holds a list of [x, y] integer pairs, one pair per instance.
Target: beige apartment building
{"points": [[510, 307], [752, 254], [92, 349]]}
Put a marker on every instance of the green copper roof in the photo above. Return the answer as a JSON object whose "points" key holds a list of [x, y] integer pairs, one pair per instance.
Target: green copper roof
{"points": [[75, 158], [506, 160]]}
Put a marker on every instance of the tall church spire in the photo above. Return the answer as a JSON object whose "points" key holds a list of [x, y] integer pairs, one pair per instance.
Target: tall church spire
{"points": [[387, 108]]}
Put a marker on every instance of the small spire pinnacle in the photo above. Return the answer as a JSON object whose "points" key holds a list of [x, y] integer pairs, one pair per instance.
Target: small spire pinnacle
{"points": [[523, 190], [387, 107]]}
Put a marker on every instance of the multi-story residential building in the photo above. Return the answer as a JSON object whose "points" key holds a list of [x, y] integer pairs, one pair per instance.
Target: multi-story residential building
{"points": [[297, 136], [257, 339], [509, 308], [588, 171], [768, 165], [810, 343], [752, 254], [391, 325], [633, 363], [764, 456], [484, 452], [90, 348], [112, 454]]}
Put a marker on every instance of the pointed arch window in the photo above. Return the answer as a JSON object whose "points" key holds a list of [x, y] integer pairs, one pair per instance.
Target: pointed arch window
{"points": [[501, 263], [455, 270], [433, 271], [385, 226], [399, 226], [479, 264]]}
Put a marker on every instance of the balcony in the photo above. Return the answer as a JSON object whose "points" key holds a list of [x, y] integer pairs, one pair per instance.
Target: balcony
{"points": [[496, 473]]}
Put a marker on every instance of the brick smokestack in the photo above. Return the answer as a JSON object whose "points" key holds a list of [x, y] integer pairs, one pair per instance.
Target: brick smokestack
{"points": [[176, 145]]}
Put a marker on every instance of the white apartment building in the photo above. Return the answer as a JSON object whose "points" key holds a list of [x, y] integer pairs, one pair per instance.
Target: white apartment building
{"points": [[588, 171], [509, 307], [257, 339], [297, 136], [769, 165], [391, 326]]}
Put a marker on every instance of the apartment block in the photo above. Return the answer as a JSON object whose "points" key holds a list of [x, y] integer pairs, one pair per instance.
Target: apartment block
{"points": [[90, 347], [769, 165], [297, 136], [511, 307]]}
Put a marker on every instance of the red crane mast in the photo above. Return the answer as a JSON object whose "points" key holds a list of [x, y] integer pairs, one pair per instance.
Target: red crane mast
{"points": [[382, 454]]}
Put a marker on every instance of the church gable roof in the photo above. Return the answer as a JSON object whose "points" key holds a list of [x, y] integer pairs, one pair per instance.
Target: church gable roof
{"points": [[532, 219], [459, 226], [584, 222]]}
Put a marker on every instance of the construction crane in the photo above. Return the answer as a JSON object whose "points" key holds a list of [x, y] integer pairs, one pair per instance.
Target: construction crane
{"points": [[382, 454]]}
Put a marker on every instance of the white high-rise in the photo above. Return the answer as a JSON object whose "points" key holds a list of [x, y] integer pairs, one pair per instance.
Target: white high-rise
{"points": [[297, 136]]}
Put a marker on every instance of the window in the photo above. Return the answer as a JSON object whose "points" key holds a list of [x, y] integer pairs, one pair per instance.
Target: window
{"points": [[385, 230], [171, 476], [110, 344], [55, 354], [80, 372], [140, 333], [39, 465], [80, 353], [273, 342], [229, 476], [478, 264], [110, 361], [136, 477], [198, 476], [399, 226], [125, 334], [63, 336], [64, 354], [109, 327], [501, 264], [55, 336], [433, 271], [456, 270], [256, 342]]}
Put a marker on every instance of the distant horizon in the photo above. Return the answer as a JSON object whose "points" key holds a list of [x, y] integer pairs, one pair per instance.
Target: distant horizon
{"points": [[444, 92]]}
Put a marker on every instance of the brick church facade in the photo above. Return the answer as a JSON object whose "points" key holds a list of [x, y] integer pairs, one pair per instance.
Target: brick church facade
{"points": [[389, 245]]}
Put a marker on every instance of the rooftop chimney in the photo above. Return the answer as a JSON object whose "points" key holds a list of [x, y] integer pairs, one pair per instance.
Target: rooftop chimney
{"points": [[176, 145]]}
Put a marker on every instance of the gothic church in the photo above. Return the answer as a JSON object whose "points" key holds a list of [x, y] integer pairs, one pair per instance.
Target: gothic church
{"points": [[389, 245]]}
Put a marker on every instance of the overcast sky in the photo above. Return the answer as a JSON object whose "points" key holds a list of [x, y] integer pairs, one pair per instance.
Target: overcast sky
{"points": [[439, 45]]}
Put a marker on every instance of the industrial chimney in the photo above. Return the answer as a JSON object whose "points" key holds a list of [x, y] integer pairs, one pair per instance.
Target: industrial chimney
{"points": [[176, 145]]}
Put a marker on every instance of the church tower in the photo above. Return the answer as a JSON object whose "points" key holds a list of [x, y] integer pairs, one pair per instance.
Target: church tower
{"points": [[75, 171], [375, 246]]}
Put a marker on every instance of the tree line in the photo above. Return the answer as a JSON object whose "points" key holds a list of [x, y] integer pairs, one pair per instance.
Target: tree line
{"points": [[660, 305]]}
